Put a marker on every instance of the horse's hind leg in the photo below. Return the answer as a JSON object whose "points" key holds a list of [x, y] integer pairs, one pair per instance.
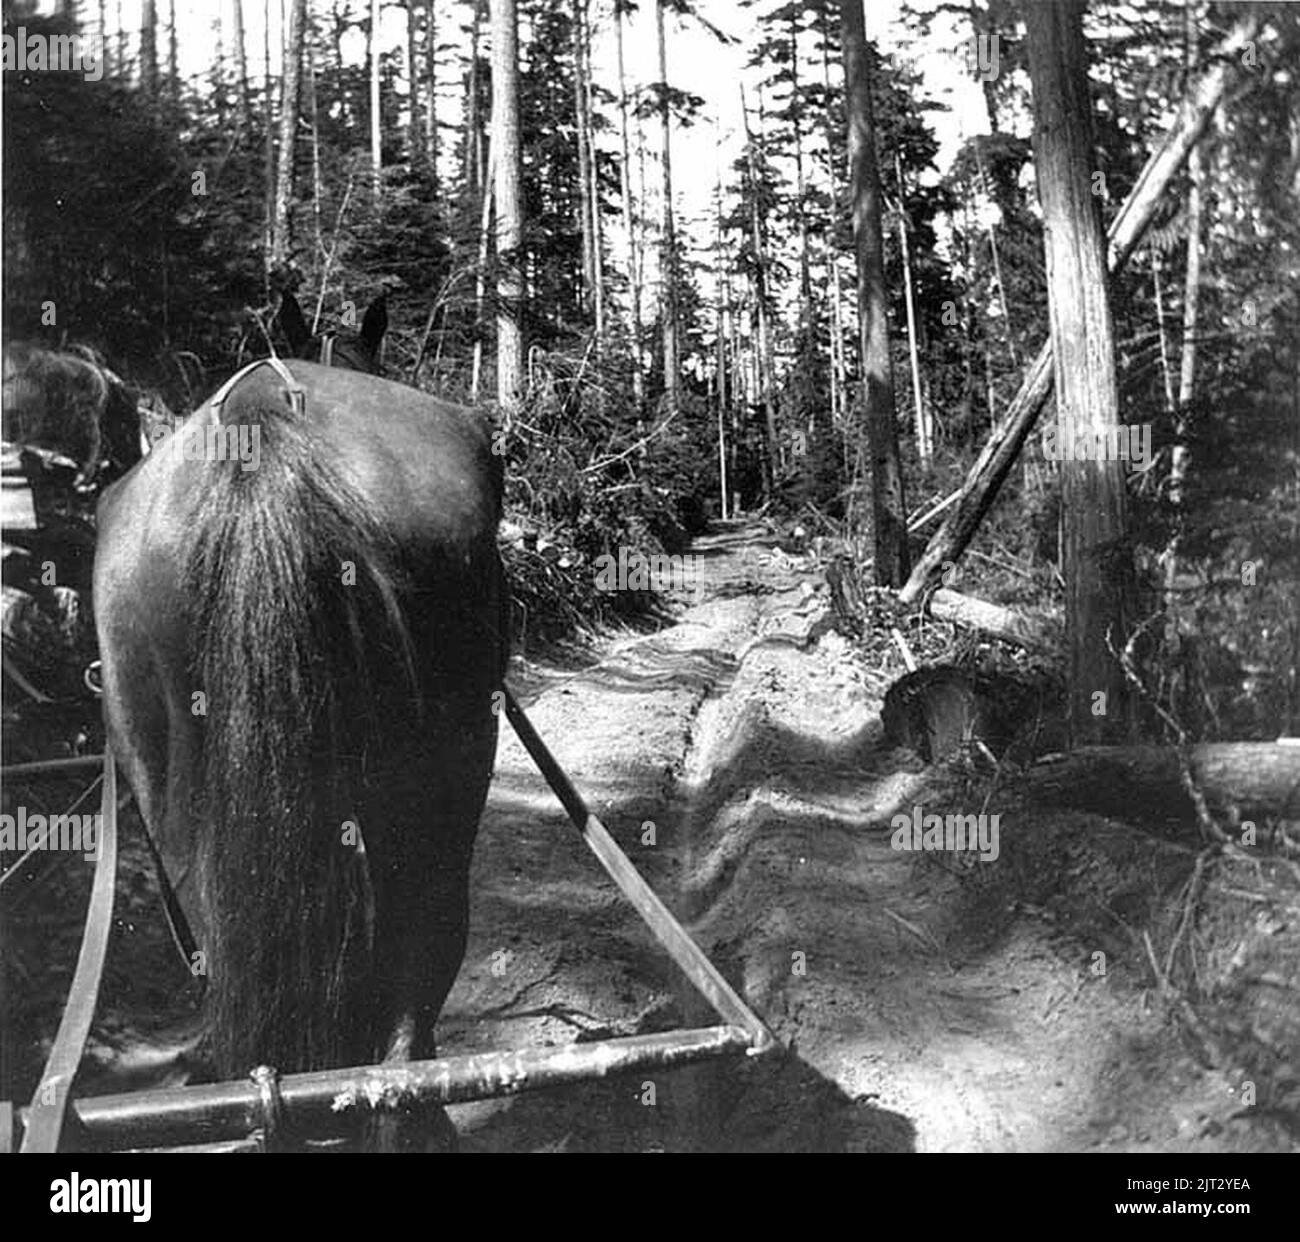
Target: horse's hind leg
{"points": [[424, 816]]}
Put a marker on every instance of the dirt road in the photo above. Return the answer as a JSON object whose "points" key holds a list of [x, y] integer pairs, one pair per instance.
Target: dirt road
{"points": [[924, 1004]]}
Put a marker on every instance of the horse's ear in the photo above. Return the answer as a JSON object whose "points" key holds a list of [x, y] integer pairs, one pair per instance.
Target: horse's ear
{"points": [[293, 323], [374, 325]]}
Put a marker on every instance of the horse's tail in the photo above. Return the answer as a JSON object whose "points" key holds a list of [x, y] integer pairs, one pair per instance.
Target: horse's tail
{"points": [[297, 622]]}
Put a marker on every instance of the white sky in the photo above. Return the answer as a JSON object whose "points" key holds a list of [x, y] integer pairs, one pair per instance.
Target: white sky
{"points": [[697, 62]]}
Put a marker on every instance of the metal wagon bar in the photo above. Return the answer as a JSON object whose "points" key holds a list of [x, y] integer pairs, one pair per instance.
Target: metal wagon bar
{"points": [[334, 1102]]}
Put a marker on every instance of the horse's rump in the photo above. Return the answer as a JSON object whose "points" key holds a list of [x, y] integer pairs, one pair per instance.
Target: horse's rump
{"points": [[299, 650]]}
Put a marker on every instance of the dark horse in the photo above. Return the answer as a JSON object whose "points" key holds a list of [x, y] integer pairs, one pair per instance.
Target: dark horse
{"points": [[299, 657], [358, 351]]}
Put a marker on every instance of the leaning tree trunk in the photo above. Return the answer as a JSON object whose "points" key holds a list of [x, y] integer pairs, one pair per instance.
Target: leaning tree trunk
{"points": [[999, 453], [1099, 583], [509, 205], [889, 507], [281, 218]]}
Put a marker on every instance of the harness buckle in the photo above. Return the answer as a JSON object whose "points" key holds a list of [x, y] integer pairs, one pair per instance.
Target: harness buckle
{"points": [[296, 392]]}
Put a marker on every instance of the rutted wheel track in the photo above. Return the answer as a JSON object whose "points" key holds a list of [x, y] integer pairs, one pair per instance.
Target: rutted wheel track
{"points": [[697, 704], [738, 759]]}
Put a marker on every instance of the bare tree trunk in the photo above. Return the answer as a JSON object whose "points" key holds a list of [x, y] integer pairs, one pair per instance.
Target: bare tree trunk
{"points": [[805, 270], [149, 47], [431, 85], [763, 340], [593, 166], [1126, 229], [889, 508], [268, 162], [584, 169], [982, 30], [924, 439], [839, 379], [103, 38], [474, 156], [668, 250], [629, 218], [282, 219], [1166, 373], [414, 141], [316, 187], [997, 263], [722, 284], [1098, 575], [219, 69], [376, 137], [480, 280], [346, 108], [509, 205], [173, 68], [1191, 307], [838, 375], [1191, 314], [241, 68]]}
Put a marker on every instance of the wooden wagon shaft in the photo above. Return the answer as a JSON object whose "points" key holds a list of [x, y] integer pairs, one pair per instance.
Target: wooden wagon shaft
{"points": [[45, 1128], [667, 930], [319, 1103]]}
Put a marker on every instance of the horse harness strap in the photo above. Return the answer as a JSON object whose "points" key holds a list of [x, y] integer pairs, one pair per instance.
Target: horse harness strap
{"points": [[49, 1106], [297, 393]]}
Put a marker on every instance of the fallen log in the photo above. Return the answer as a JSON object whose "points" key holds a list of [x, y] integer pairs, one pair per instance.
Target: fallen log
{"points": [[992, 619], [1145, 782]]}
